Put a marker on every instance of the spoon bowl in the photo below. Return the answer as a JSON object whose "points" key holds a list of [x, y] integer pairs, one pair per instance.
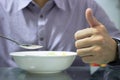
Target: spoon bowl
{"points": [[25, 46]]}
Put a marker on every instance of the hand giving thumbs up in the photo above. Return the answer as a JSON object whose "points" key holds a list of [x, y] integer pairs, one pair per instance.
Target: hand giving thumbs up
{"points": [[94, 44]]}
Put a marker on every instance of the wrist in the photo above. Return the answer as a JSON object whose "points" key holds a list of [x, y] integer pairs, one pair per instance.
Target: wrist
{"points": [[116, 61]]}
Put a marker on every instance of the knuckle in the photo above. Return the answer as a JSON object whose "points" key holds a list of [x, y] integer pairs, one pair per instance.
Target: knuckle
{"points": [[76, 35], [97, 49], [102, 26], [96, 31], [78, 52], [77, 44], [101, 39], [98, 39]]}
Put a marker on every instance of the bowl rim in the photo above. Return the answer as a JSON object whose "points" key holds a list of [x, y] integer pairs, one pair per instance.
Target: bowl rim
{"points": [[31, 52]]}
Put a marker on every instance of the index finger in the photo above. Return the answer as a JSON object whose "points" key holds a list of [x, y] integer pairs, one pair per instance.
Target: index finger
{"points": [[83, 33]]}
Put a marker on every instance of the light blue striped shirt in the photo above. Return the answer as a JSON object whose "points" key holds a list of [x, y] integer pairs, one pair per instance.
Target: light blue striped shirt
{"points": [[53, 26]]}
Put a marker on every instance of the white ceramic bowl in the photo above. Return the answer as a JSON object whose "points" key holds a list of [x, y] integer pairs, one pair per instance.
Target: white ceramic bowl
{"points": [[44, 61]]}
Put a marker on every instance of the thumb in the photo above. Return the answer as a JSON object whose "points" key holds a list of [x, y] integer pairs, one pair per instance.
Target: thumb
{"points": [[91, 19]]}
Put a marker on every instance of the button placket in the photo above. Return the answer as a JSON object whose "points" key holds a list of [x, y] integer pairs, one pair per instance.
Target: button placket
{"points": [[41, 30], [41, 38], [41, 16]]}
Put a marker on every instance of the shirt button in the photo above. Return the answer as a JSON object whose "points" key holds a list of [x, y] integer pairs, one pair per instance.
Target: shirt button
{"points": [[41, 38], [41, 16]]}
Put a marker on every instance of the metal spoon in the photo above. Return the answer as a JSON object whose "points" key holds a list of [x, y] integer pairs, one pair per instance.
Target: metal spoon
{"points": [[25, 46]]}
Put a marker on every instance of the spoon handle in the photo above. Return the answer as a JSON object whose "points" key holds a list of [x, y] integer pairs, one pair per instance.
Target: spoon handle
{"points": [[9, 39]]}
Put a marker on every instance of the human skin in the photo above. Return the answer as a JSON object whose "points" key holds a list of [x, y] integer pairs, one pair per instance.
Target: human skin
{"points": [[41, 3], [94, 44]]}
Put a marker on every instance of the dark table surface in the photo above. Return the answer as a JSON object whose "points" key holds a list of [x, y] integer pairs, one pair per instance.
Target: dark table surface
{"points": [[72, 73]]}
